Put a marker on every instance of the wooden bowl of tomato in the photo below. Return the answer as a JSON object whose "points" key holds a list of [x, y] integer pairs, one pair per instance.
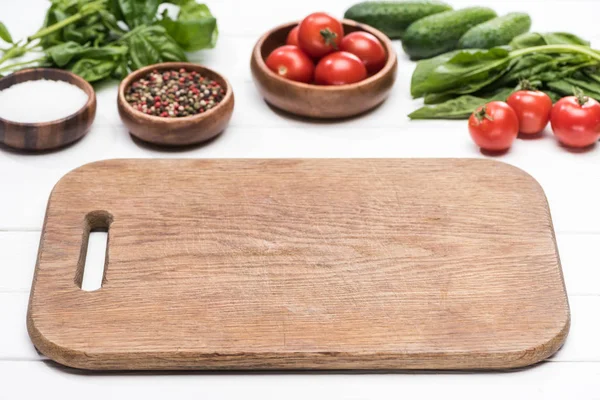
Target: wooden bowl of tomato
{"points": [[334, 85]]}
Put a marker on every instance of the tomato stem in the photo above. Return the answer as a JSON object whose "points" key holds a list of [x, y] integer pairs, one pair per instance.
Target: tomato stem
{"points": [[525, 84], [482, 114], [581, 97], [329, 37]]}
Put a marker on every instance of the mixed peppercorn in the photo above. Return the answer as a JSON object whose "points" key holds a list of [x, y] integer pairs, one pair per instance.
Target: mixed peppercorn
{"points": [[173, 94]]}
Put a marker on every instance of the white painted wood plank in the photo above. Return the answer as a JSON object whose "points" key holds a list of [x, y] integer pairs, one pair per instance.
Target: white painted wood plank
{"points": [[545, 381], [582, 343]]}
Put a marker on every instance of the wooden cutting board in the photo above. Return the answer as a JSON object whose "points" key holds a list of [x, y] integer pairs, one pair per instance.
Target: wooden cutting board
{"points": [[293, 264]]}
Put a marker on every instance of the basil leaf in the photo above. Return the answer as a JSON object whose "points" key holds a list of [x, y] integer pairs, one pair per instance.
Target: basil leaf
{"points": [[458, 108], [62, 54], [93, 70], [4, 34], [120, 71], [195, 27], [138, 12], [151, 45]]}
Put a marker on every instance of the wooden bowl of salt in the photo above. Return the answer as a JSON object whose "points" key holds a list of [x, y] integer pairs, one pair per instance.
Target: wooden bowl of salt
{"points": [[44, 108]]}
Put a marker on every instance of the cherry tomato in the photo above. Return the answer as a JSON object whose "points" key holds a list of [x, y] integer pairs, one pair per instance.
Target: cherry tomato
{"points": [[494, 127], [367, 47], [340, 68], [290, 62], [533, 110], [576, 121], [320, 34], [292, 37]]}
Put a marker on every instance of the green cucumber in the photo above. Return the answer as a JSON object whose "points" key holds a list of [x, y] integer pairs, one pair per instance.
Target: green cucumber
{"points": [[393, 17], [495, 32], [440, 33]]}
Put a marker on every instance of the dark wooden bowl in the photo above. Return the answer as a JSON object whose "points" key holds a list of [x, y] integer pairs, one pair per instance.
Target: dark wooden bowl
{"points": [[41, 136], [321, 101], [176, 131]]}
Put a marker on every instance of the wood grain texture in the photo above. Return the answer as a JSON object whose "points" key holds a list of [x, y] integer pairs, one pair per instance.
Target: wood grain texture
{"points": [[327, 102], [48, 135], [182, 131], [293, 264]]}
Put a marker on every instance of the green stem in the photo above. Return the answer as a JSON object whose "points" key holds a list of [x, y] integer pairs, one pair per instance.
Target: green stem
{"points": [[11, 66], [32, 46], [556, 48], [56, 27]]}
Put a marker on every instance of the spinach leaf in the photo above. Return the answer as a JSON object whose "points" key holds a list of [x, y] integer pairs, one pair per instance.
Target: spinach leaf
{"points": [[437, 98], [532, 39], [138, 12], [195, 27], [592, 73], [591, 87], [4, 34], [565, 88], [466, 71], [424, 68], [529, 39], [564, 38], [553, 95], [459, 108], [93, 70]]}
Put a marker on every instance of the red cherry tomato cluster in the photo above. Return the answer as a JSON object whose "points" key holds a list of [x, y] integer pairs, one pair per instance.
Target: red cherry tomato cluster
{"points": [[575, 120], [316, 51]]}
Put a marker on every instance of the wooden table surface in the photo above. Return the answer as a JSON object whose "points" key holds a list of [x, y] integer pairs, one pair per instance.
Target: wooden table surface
{"points": [[570, 180]]}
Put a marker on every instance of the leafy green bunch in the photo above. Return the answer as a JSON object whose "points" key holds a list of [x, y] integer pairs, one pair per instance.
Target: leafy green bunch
{"points": [[456, 83], [99, 39]]}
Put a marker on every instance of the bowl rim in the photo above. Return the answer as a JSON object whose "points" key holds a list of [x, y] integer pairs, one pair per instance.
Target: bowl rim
{"points": [[387, 68], [87, 89], [134, 75]]}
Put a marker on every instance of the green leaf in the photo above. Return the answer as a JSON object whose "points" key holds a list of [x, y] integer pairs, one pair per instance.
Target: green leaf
{"points": [[62, 54], [93, 70], [466, 71], [588, 86], [151, 45], [120, 71], [553, 95], [67, 52], [425, 68], [529, 39], [564, 38], [4, 34], [532, 39], [195, 27], [138, 12], [459, 108]]}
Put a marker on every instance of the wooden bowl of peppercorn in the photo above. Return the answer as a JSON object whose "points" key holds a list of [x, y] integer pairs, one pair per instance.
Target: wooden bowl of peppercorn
{"points": [[175, 103], [316, 101]]}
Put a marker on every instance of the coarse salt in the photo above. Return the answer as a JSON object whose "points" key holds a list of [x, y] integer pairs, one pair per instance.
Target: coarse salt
{"points": [[40, 101]]}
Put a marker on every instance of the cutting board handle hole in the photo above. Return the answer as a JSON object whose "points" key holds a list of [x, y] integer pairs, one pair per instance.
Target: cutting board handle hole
{"points": [[93, 259]]}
